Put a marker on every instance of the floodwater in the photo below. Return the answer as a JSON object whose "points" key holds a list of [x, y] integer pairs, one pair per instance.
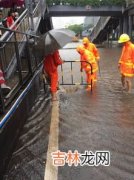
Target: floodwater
{"points": [[99, 121], [28, 159]]}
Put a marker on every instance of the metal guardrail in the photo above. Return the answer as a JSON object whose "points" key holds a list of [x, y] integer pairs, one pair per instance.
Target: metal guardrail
{"points": [[26, 65], [22, 24], [17, 60], [7, 55], [72, 82]]}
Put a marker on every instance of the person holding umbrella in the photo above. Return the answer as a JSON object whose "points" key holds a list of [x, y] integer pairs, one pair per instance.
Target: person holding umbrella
{"points": [[50, 70], [126, 62], [49, 45]]}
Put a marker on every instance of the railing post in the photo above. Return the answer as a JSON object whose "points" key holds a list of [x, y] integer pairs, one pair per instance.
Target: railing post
{"points": [[72, 73], [42, 7], [18, 60], [29, 6], [62, 73], [130, 25], [28, 56], [2, 104], [121, 25], [125, 24]]}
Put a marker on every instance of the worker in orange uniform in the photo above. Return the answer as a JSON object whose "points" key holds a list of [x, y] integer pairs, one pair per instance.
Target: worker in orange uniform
{"points": [[126, 62], [89, 58], [93, 49], [51, 62]]}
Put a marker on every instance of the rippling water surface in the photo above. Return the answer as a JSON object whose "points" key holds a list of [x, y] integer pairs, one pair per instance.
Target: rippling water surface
{"points": [[101, 121]]}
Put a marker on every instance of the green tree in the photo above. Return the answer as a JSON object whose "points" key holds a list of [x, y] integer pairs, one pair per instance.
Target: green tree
{"points": [[77, 28]]}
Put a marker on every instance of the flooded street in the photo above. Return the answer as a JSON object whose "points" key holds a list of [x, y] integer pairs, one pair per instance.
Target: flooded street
{"points": [[99, 121]]}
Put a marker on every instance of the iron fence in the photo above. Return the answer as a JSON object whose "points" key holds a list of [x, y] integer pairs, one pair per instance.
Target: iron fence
{"points": [[70, 74]]}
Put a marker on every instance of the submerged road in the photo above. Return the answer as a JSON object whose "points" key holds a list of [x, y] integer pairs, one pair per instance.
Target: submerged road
{"points": [[98, 126]]}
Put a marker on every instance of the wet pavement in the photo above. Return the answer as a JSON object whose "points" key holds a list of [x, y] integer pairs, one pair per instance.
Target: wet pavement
{"points": [[101, 121], [98, 121]]}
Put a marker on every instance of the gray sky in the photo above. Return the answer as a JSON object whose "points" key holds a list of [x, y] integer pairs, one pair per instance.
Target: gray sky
{"points": [[61, 22]]}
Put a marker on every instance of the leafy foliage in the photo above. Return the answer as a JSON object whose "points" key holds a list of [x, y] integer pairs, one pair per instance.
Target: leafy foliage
{"points": [[77, 28], [86, 2]]}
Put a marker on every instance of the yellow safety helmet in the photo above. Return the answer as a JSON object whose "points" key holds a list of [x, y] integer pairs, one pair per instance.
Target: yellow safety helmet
{"points": [[80, 49], [123, 38], [85, 40]]}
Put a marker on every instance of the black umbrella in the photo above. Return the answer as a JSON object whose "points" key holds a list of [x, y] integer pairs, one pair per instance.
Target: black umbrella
{"points": [[55, 39]]}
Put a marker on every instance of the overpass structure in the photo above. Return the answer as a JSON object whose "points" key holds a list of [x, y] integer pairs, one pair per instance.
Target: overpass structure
{"points": [[110, 18], [62, 10]]}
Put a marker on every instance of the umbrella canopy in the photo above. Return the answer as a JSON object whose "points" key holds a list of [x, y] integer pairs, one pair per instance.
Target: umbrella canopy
{"points": [[55, 39], [11, 3]]}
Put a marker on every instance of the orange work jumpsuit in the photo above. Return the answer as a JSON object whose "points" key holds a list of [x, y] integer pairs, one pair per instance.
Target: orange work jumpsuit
{"points": [[89, 57], [126, 60], [51, 63], [92, 48]]}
